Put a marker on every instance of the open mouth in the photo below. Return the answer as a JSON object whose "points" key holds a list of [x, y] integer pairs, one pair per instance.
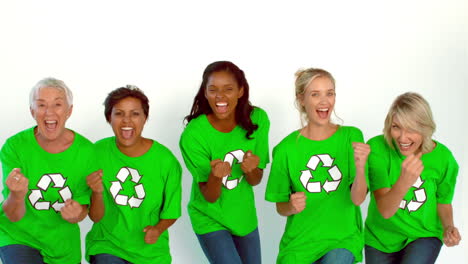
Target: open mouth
{"points": [[127, 132], [221, 107], [323, 113], [405, 146], [51, 124]]}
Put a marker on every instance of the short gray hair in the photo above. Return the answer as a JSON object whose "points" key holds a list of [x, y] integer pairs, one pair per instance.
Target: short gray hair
{"points": [[50, 82]]}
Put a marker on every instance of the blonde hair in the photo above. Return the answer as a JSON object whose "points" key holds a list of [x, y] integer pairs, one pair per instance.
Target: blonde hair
{"points": [[303, 78], [414, 113]]}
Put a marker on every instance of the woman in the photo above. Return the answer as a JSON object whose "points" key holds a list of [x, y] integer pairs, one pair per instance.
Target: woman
{"points": [[317, 179], [225, 148], [45, 192], [137, 194], [412, 179]]}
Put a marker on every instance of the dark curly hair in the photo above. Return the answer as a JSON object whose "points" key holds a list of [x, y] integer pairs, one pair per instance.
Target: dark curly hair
{"points": [[243, 109], [121, 93]]}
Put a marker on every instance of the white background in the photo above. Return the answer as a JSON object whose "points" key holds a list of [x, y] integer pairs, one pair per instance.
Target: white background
{"points": [[375, 50]]}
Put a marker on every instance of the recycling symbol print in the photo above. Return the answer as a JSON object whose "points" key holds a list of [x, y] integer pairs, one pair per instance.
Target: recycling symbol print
{"points": [[316, 186], [419, 194], [37, 199], [230, 157], [116, 187]]}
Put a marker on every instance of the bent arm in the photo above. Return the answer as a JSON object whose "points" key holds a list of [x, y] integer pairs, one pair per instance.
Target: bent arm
{"points": [[359, 187], [254, 177], [211, 189], [97, 208], [14, 207], [388, 199]]}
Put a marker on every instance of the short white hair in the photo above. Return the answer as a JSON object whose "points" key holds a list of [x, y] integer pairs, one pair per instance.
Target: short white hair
{"points": [[50, 82]]}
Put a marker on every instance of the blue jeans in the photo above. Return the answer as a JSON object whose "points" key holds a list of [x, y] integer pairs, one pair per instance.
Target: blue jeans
{"points": [[221, 247], [107, 259], [336, 256], [421, 251], [20, 254]]}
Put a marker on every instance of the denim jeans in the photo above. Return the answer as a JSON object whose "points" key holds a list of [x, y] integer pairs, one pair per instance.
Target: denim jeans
{"points": [[20, 254], [421, 251], [221, 247], [337, 256], [106, 259]]}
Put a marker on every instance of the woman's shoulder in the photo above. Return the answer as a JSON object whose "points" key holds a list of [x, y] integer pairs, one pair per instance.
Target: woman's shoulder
{"points": [[378, 143], [289, 140], [258, 114], [351, 130]]}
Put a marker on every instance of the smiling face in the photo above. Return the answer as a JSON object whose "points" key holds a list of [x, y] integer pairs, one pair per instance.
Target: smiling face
{"points": [[51, 111], [318, 100], [408, 141], [127, 120], [222, 92]]}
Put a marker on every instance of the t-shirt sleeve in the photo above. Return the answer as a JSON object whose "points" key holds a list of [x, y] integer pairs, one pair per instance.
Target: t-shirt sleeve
{"points": [[355, 136], [279, 185], [262, 146], [446, 185], [171, 208], [378, 164], [10, 160], [196, 157]]}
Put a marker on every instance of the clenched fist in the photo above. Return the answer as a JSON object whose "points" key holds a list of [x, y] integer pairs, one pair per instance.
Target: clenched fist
{"points": [[250, 162], [297, 202], [17, 184], [94, 181], [361, 152], [220, 169]]}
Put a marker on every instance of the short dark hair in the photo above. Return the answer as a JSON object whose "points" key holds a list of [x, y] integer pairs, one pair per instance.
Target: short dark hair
{"points": [[243, 109], [121, 93]]}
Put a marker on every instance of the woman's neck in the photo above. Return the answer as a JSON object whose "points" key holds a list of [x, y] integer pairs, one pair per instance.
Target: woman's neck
{"points": [[222, 125], [136, 150], [319, 132], [60, 144]]}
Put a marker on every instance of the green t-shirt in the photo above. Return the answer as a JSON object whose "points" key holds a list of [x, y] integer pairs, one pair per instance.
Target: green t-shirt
{"points": [[417, 216], [138, 192], [53, 178], [234, 210], [324, 170]]}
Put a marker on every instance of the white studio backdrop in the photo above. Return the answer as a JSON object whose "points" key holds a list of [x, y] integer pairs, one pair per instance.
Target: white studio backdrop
{"points": [[376, 50]]}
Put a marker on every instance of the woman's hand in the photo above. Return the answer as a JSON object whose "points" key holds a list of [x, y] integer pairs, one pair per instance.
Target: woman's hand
{"points": [[220, 169], [151, 234], [411, 169], [17, 184], [361, 152], [250, 162], [73, 212], [451, 236], [94, 181]]}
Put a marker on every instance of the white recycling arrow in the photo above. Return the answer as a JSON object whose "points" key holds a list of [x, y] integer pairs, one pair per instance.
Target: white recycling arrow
{"points": [[135, 175], [140, 191], [330, 186], [229, 157], [403, 204], [122, 174], [413, 206], [57, 179], [313, 162], [326, 160], [58, 206], [134, 202], [115, 188], [65, 193], [42, 205], [313, 187], [44, 182], [418, 182], [335, 173], [35, 196], [121, 199]]}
